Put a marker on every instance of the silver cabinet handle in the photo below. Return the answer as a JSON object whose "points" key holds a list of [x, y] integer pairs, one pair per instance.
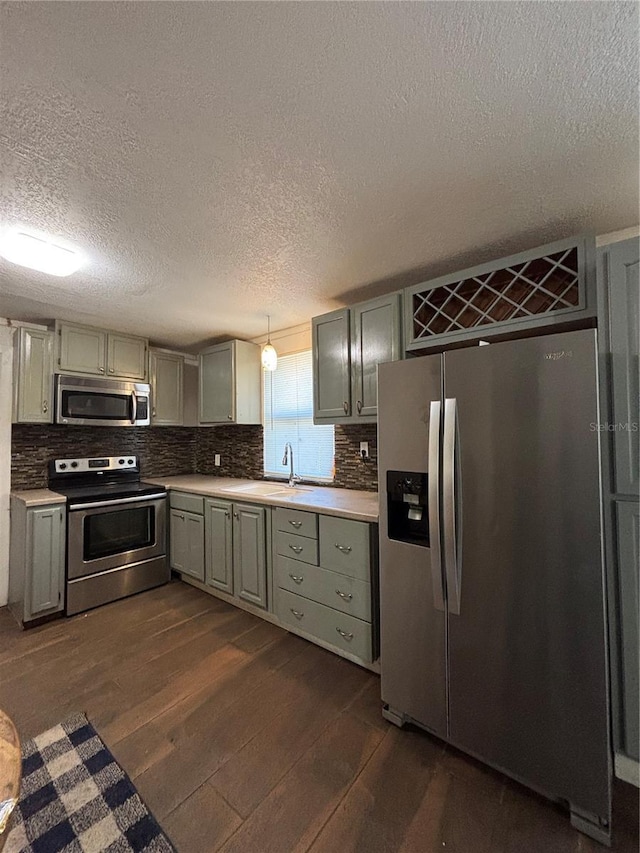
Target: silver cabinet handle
{"points": [[229, 417], [345, 406], [344, 548], [179, 515], [296, 578], [227, 513], [296, 548], [111, 370], [153, 412], [45, 407], [346, 635], [296, 524], [359, 406], [346, 596], [101, 370], [235, 515], [296, 613]]}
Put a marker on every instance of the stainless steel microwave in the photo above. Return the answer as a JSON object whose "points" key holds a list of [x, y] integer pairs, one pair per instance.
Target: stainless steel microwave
{"points": [[85, 401]]}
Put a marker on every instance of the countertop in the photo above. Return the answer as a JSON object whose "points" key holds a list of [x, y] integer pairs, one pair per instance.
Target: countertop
{"points": [[345, 503], [38, 497]]}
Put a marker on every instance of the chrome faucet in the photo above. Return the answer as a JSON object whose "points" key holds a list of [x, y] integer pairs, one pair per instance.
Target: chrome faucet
{"points": [[288, 457]]}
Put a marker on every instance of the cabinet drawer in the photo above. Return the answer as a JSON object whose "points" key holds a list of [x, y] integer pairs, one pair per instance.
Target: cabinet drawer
{"points": [[338, 591], [295, 521], [344, 547], [339, 629], [297, 547], [189, 503]]}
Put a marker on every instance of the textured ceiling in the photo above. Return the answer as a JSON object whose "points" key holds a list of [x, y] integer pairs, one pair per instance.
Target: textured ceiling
{"points": [[221, 161]]}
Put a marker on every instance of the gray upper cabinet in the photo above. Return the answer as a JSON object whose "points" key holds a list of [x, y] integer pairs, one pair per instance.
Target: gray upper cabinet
{"points": [[230, 384], [98, 352], [348, 345], [249, 553], [219, 545], [166, 371], [82, 350], [331, 366], [33, 376], [375, 339], [539, 288], [620, 273], [126, 356]]}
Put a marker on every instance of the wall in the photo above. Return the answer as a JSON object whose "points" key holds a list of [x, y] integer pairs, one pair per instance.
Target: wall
{"points": [[352, 472], [240, 449], [6, 357]]}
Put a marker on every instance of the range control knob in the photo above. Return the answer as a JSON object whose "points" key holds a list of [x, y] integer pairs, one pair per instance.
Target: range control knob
{"points": [[130, 461], [62, 466], [120, 461], [74, 464]]}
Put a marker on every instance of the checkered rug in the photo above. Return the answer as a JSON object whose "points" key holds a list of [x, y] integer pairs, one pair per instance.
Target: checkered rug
{"points": [[75, 798]]}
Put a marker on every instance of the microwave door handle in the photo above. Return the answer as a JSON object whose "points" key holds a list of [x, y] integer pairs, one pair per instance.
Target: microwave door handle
{"points": [[434, 505], [134, 407]]}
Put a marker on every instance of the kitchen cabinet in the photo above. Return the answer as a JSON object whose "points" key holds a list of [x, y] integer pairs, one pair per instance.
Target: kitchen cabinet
{"points": [[230, 384], [186, 542], [325, 581], [98, 352], [36, 577], [166, 377], [249, 553], [219, 544], [537, 289], [348, 345], [618, 267], [33, 375]]}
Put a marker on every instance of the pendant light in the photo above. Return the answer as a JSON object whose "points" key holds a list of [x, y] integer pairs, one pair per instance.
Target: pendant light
{"points": [[269, 354]]}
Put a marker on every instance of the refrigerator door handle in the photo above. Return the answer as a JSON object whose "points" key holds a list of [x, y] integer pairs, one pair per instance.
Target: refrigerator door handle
{"points": [[451, 494], [434, 505]]}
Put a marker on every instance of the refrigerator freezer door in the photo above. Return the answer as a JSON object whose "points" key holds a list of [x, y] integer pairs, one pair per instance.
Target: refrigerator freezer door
{"points": [[527, 654], [412, 618]]}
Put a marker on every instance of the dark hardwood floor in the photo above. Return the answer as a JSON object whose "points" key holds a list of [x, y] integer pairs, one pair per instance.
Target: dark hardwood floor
{"points": [[241, 737]]}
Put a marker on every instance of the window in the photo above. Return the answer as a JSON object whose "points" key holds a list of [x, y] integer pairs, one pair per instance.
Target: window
{"points": [[288, 416]]}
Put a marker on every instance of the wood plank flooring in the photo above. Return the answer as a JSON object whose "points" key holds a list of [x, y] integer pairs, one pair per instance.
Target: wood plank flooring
{"points": [[245, 739]]}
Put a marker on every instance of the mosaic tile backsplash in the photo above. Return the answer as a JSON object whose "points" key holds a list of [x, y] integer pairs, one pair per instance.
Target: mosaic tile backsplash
{"points": [[178, 450]]}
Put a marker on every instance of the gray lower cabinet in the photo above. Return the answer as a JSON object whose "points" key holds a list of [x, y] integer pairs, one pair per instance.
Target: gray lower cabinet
{"points": [[325, 581], [628, 547], [186, 543], [33, 376], [249, 553], [166, 376], [218, 526], [36, 577]]}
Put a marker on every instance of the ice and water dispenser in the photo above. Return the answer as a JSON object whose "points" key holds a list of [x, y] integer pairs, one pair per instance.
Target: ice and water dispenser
{"points": [[407, 511]]}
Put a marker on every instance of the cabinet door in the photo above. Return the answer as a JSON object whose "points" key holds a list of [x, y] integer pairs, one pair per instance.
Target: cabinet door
{"points": [[218, 545], [628, 535], [375, 339], [623, 281], [166, 389], [331, 365], [186, 549], [127, 357], [249, 554], [45, 563], [34, 376], [216, 385], [82, 349]]}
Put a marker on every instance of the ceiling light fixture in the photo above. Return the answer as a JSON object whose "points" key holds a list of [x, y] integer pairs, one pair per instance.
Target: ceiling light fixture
{"points": [[269, 354], [39, 252]]}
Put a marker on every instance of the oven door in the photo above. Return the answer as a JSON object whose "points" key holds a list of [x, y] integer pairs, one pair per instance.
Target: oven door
{"points": [[111, 534]]}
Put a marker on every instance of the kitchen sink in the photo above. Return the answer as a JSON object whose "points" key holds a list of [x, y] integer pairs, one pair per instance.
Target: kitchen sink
{"points": [[266, 489]]}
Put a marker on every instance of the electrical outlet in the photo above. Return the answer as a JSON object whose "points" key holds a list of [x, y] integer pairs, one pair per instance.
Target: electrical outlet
{"points": [[216, 460], [364, 449]]}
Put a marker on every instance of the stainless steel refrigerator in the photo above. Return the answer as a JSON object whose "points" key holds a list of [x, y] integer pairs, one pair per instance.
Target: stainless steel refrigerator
{"points": [[492, 608]]}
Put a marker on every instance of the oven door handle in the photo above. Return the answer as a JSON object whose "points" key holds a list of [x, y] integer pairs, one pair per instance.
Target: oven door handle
{"points": [[134, 407], [117, 502]]}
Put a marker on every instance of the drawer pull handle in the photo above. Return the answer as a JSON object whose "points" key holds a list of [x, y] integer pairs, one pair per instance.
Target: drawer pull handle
{"points": [[296, 578], [346, 635], [296, 524], [346, 596], [359, 406], [296, 613], [297, 549], [344, 548], [345, 406]]}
